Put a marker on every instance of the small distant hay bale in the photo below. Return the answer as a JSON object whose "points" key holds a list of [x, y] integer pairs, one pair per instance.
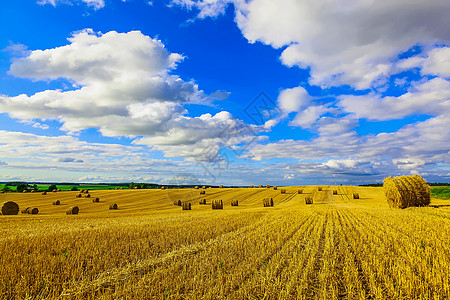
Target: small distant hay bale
{"points": [[113, 206], [58, 190], [10, 208], [202, 192], [136, 187], [275, 188], [44, 193], [268, 186], [235, 202], [25, 210], [186, 206], [56, 202], [79, 196], [87, 196], [196, 187], [202, 201], [268, 202], [260, 186], [73, 210], [217, 204], [204, 187], [163, 188], [177, 202], [121, 188], [116, 189], [24, 191], [335, 192], [283, 191], [55, 190], [33, 191], [406, 191], [221, 186], [251, 186], [308, 200], [319, 188], [95, 200], [300, 191], [33, 211], [355, 196]]}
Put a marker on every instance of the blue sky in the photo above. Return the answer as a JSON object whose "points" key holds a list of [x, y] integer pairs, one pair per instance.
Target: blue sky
{"points": [[224, 91]]}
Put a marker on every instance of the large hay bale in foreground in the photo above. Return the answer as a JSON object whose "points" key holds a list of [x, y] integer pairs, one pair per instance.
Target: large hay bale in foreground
{"points": [[235, 202], [268, 202], [186, 206], [406, 191], [283, 191], [73, 210], [113, 206], [10, 208], [56, 202], [202, 192], [217, 204], [309, 200]]}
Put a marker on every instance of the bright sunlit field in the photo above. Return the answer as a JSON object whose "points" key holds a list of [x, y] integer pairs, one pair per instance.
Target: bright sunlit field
{"points": [[337, 247]]}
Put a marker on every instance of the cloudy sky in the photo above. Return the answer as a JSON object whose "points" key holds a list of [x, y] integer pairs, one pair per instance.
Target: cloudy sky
{"points": [[231, 92]]}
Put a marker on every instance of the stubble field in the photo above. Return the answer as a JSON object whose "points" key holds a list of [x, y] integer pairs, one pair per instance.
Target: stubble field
{"points": [[338, 247]]}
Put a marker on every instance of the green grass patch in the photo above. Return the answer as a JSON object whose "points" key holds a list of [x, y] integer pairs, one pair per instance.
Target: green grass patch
{"points": [[442, 192]]}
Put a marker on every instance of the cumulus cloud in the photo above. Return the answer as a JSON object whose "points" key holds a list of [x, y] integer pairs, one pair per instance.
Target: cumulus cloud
{"points": [[123, 86], [341, 42]]}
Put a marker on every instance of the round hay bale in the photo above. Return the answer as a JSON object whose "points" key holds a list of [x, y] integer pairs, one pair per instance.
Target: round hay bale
{"points": [[115, 189], [202, 192], [95, 200], [186, 206], [25, 210], [202, 201], [275, 188], [33, 191], [10, 208], [406, 191], [73, 210], [79, 196], [56, 202], [196, 187], [87, 196], [44, 193], [59, 190], [319, 188], [204, 187], [355, 196], [24, 191], [260, 186], [163, 188], [335, 192], [309, 200], [121, 188], [300, 191], [113, 206], [251, 186], [221, 186], [235, 202], [268, 202], [54, 191], [33, 211], [283, 191], [217, 204], [268, 186]]}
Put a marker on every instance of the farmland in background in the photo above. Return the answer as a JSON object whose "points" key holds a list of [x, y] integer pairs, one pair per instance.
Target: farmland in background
{"points": [[337, 247]]}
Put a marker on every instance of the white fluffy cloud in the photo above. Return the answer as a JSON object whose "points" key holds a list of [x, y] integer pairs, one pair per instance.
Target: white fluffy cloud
{"points": [[342, 42], [122, 86]]}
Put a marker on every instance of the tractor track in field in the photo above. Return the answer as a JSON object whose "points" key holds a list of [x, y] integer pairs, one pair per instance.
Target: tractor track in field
{"points": [[268, 257], [109, 278]]}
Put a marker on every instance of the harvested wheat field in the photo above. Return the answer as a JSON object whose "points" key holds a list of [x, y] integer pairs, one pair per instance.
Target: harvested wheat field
{"points": [[337, 247]]}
